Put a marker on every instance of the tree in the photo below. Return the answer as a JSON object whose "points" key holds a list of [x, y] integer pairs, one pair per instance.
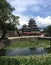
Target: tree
{"points": [[48, 30], [7, 19], [12, 22]]}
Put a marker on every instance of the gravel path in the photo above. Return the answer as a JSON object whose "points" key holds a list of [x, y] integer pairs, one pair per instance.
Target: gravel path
{"points": [[27, 37]]}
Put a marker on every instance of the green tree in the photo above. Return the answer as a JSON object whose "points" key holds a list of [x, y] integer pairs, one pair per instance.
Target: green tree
{"points": [[7, 19], [48, 30]]}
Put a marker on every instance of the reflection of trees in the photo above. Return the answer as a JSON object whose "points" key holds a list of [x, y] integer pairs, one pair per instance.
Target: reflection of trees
{"points": [[5, 43], [2, 52]]}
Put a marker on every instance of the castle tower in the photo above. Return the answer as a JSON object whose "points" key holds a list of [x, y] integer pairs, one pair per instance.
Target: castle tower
{"points": [[32, 25]]}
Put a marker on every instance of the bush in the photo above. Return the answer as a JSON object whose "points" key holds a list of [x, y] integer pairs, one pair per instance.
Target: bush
{"points": [[8, 61], [26, 60]]}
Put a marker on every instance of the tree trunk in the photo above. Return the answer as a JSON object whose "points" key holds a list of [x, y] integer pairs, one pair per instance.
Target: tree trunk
{"points": [[4, 32]]}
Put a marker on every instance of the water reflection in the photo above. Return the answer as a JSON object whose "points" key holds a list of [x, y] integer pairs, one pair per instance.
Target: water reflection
{"points": [[25, 51], [2, 52]]}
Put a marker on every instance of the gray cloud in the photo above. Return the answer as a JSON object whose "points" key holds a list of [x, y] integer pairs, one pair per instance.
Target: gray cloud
{"points": [[42, 7]]}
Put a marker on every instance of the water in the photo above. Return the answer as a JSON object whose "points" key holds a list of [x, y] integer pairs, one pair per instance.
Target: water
{"points": [[25, 51]]}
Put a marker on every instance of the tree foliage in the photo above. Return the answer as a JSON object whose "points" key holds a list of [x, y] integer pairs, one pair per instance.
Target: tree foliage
{"points": [[48, 30], [7, 19]]}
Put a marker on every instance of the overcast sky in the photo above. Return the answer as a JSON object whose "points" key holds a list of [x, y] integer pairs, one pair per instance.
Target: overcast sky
{"points": [[40, 10]]}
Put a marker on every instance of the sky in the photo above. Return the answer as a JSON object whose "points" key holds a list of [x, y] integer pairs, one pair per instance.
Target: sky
{"points": [[40, 10]]}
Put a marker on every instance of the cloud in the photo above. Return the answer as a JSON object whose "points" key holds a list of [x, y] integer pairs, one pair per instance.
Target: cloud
{"points": [[40, 10], [23, 20], [22, 6], [35, 9], [40, 21], [43, 22]]}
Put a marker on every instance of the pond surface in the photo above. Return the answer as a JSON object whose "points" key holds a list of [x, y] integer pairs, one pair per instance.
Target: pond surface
{"points": [[25, 51]]}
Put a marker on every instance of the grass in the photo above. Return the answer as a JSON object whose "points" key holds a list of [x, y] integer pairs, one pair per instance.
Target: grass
{"points": [[26, 60], [29, 44]]}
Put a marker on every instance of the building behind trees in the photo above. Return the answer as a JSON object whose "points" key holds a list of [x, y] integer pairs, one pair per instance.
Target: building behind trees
{"points": [[32, 27]]}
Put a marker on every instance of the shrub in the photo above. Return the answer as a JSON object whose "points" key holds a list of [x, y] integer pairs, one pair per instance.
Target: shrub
{"points": [[8, 61], [26, 60]]}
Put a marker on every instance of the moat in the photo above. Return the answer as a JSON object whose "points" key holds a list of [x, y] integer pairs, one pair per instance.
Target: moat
{"points": [[24, 51]]}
